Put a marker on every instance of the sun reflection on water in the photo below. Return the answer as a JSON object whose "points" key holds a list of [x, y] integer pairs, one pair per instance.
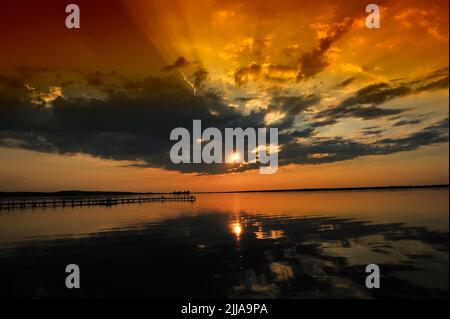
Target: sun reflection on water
{"points": [[236, 229]]}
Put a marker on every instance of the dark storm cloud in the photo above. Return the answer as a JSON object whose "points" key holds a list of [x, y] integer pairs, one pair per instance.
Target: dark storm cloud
{"points": [[244, 99], [326, 122], [436, 80], [243, 74], [314, 61], [200, 76], [408, 122], [347, 81], [305, 133], [106, 81], [327, 150], [376, 94], [134, 120], [433, 134], [363, 112], [180, 62], [369, 132], [365, 103], [435, 85], [132, 124], [9, 83], [293, 105], [438, 73]]}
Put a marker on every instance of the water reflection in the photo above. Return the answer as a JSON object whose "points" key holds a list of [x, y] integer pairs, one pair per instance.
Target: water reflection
{"points": [[237, 229], [288, 250]]}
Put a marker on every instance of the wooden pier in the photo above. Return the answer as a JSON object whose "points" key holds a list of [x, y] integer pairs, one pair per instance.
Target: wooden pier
{"points": [[103, 201]]}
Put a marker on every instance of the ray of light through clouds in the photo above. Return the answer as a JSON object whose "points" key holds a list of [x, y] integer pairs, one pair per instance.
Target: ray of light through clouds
{"points": [[354, 107]]}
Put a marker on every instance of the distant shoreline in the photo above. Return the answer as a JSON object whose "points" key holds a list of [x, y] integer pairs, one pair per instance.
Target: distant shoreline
{"points": [[111, 193], [332, 189]]}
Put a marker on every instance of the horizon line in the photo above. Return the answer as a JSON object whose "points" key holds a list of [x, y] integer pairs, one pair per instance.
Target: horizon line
{"points": [[318, 189]]}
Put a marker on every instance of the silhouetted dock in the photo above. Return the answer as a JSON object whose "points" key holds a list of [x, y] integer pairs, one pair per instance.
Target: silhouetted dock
{"points": [[103, 201]]}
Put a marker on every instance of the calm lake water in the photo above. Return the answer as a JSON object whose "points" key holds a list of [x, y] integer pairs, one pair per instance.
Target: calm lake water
{"points": [[256, 245]]}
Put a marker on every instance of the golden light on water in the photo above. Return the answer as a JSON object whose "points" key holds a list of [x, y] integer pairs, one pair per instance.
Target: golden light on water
{"points": [[236, 229]]}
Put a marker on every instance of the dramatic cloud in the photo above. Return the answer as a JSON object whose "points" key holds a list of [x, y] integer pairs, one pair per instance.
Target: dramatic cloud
{"points": [[132, 124], [327, 150], [244, 74], [303, 65], [347, 81], [435, 85], [293, 105], [314, 61], [133, 118], [408, 122], [365, 103], [368, 131], [200, 76], [178, 64]]}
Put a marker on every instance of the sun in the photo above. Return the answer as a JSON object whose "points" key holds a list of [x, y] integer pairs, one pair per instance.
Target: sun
{"points": [[235, 157]]}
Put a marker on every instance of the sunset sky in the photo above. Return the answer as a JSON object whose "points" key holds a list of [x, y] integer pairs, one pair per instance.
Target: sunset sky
{"points": [[93, 108]]}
